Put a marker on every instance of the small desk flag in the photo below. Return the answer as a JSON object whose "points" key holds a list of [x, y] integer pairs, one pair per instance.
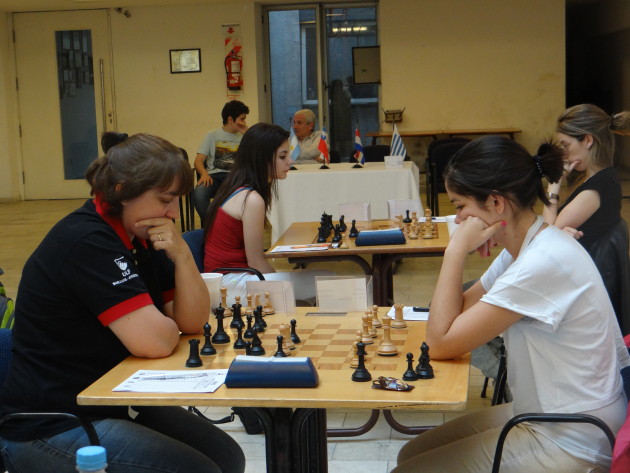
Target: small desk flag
{"points": [[398, 147], [323, 147], [358, 147], [294, 146]]}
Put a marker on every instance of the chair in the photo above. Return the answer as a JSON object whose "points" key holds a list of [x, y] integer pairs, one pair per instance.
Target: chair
{"points": [[186, 208], [6, 346], [375, 153], [610, 254], [359, 211], [558, 417], [194, 239], [439, 154]]}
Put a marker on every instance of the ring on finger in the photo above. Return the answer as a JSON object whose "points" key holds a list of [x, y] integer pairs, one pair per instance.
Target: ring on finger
{"points": [[160, 236]]}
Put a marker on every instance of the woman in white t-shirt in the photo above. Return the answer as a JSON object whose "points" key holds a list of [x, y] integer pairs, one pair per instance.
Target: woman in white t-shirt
{"points": [[545, 296]]}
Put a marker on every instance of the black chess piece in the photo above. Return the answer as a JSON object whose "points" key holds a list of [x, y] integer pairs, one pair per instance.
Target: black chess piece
{"points": [[342, 224], [280, 352], [194, 360], [207, 348], [337, 236], [256, 348], [407, 219], [321, 234], [258, 320], [237, 318], [248, 348], [239, 343], [353, 230], [249, 332], [294, 336], [424, 370], [220, 336], [410, 374], [262, 315], [361, 374]]}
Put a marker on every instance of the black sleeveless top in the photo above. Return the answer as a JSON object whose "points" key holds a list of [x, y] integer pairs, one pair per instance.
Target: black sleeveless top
{"points": [[606, 184]]}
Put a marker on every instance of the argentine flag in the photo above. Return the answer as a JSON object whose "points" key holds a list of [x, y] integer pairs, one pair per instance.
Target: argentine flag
{"points": [[294, 146], [398, 147]]}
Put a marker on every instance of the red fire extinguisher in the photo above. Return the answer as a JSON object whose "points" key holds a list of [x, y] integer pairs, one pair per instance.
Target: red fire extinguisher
{"points": [[233, 67]]}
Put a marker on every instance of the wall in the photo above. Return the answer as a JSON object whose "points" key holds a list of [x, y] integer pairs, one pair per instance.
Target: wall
{"points": [[8, 163], [474, 64], [179, 107]]}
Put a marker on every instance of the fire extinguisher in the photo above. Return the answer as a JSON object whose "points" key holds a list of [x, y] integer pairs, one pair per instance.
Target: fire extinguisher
{"points": [[233, 66]]}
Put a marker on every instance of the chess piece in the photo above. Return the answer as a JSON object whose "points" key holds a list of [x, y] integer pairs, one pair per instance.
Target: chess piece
{"points": [[414, 217], [387, 347], [424, 370], [342, 224], [353, 230], [321, 234], [399, 321], [376, 323], [413, 231], [207, 348], [407, 219], [194, 360], [365, 335], [343, 244], [286, 336], [256, 348], [237, 318], [361, 374], [371, 329], [228, 312], [337, 236], [269, 310], [280, 353], [261, 311], [398, 220], [249, 332], [427, 233], [410, 374], [239, 343], [220, 336], [258, 321], [294, 336], [249, 309], [354, 362]]}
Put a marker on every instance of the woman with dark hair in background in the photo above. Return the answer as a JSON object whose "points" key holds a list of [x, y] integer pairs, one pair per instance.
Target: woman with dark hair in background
{"points": [[543, 293], [235, 226], [112, 279]]}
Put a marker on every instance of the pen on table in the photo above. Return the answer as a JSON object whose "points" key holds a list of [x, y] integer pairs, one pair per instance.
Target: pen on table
{"points": [[160, 377]]}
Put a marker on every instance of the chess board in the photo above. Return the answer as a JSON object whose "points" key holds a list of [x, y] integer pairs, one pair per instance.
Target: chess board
{"points": [[330, 345]]}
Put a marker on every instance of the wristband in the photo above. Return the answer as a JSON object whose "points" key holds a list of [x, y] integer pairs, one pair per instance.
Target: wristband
{"points": [[551, 196]]}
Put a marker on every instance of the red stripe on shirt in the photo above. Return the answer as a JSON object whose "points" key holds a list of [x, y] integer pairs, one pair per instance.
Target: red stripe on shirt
{"points": [[168, 296], [124, 308]]}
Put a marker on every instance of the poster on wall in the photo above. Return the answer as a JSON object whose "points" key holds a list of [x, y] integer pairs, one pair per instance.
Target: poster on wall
{"points": [[233, 61]]}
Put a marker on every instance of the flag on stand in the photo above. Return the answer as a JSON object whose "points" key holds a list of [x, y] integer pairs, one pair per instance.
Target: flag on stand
{"points": [[323, 147], [358, 147], [398, 147], [294, 145]]}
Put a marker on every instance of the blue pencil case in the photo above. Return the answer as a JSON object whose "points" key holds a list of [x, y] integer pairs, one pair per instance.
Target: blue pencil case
{"points": [[270, 372], [393, 236]]}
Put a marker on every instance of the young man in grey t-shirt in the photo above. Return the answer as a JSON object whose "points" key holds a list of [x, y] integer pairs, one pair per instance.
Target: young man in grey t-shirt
{"points": [[215, 155]]}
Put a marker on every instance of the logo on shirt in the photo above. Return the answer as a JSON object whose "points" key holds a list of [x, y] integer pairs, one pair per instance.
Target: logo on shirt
{"points": [[125, 271], [121, 264]]}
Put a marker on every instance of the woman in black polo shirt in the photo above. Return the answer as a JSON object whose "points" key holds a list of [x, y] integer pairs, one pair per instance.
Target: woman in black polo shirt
{"points": [[111, 279]]}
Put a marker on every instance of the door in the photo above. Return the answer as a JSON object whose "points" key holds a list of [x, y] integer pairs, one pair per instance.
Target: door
{"points": [[310, 62], [64, 98]]}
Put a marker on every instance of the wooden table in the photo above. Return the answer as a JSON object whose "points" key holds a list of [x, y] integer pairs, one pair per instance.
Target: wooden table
{"points": [[383, 256], [309, 191], [295, 419], [448, 133]]}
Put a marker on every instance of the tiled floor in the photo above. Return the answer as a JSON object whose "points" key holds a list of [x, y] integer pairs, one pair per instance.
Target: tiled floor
{"points": [[23, 225]]}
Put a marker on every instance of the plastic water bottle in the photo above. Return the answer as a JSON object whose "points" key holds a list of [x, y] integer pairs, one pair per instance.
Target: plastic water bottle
{"points": [[91, 459]]}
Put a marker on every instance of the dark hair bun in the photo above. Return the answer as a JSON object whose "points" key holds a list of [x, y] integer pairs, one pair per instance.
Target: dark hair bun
{"points": [[111, 139]]}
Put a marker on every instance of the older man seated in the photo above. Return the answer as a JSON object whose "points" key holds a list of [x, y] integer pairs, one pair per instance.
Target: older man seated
{"points": [[303, 124]]}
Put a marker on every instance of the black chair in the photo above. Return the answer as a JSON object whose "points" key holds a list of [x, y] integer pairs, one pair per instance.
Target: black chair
{"points": [[375, 153], [186, 207], [558, 417], [194, 239], [439, 153], [6, 347]]}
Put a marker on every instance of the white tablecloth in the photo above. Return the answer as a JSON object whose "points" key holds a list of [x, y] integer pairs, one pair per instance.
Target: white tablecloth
{"points": [[309, 191]]}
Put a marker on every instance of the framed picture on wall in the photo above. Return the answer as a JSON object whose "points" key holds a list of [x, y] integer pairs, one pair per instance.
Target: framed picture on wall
{"points": [[185, 60]]}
